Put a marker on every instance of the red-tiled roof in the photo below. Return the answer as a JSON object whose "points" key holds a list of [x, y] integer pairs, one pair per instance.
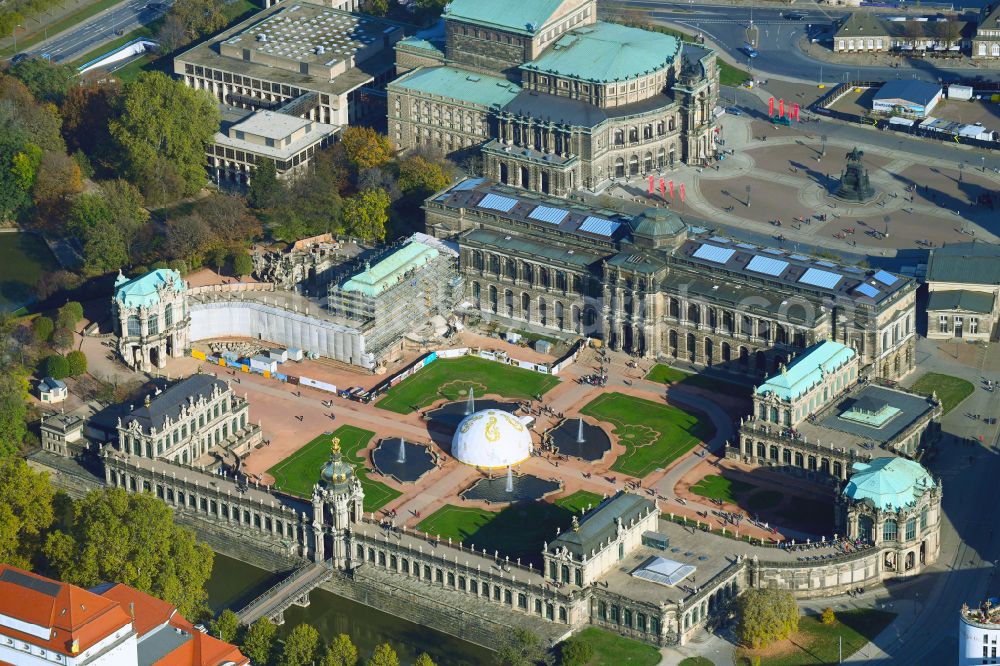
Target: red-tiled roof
{"points": [[75, 618], [149, 611]]}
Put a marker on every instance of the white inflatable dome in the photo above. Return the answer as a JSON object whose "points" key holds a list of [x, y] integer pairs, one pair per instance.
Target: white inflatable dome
{"points": [[491, 438]]}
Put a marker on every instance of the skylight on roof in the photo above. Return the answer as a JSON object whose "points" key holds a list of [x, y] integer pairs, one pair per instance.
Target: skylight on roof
{"points": [[868, 290], [888, 279], [823, 279], [767, 266], [719, 255], [772, 250], [719, 239], [746, 246], [828, 264], [799, 257], [548, 214], [497, 202], [599, 226]]}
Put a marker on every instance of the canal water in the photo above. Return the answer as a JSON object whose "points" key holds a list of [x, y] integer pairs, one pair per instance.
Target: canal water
{"points": [[24, 259], [235, 583]]}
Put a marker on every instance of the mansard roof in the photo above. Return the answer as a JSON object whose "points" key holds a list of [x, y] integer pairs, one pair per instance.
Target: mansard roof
{"points": [[522, 16], [171, 402]]}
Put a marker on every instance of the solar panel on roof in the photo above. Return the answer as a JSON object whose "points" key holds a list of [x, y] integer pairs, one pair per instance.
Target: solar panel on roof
{"points": [[719, 239], [799, 257], [888, 279], [547, 214], [828, 264], [823, 279], [468, 184], [772, 250], [599, 226], [767, 266], [868, 290], [719, 255], [852, 269], [46, 587], [497, 202]]}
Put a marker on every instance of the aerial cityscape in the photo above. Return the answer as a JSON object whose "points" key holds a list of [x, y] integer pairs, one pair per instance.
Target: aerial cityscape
{"points": [[514, 332]]}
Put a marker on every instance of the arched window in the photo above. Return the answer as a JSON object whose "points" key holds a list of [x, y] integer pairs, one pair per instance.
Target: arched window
{"points": [[153, 324], [134, 328], [168, 315], [889, 530]]}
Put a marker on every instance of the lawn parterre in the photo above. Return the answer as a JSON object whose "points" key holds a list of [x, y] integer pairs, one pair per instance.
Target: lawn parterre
{"points": [[578, 501], [818, 643], [451, 378], [664, 374], [653, 434], [297, 473], [950, 390], [614, 650], [717, 487]]}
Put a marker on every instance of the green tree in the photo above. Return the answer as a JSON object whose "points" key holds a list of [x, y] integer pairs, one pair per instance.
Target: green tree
{"points": [[57, 181], [163, 118], [13, 409], [42, 328], [77, 362], [226, 626], [189, 238], [56, 366], [365, 147], [62, 338], [265, 191], [375, 7], [85, 116], [421, 176], [766, 615], [69, 315], [199, 17], [125, 208], [228, 218], [430, 7], [300, 646], [340, 652], [242, 264], [132, 539], [259, 641], [828, 617], [384, 655], [104, 245], [521, 647], [424, 659], [46, 80], [366, 213], [576, 652], [25, 510]]}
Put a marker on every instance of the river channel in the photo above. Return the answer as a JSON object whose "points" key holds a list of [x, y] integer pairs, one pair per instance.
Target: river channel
{"points": [[234, 583]]}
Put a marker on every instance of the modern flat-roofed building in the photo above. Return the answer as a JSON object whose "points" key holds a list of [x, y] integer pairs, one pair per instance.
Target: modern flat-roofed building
{"points": [[304, 59], [650, 284], [552, 99], [912, 98], [247, 137]]}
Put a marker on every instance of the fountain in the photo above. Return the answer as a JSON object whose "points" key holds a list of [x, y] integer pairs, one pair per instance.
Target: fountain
{"points": [[510, 481], [404, 461], [470, 405], [505, 490], [401, 458], [586, 441], [579, 431]]}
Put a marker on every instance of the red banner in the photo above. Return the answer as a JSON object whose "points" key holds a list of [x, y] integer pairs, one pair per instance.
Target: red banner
{"points": [[663, 189], [650, 186], [770, 107], [682, 192], [781, 108], [795, 112], [671, 189]]}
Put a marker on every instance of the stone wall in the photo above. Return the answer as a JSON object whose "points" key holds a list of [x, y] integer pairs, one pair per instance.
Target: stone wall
{"points": [[809, 580]]}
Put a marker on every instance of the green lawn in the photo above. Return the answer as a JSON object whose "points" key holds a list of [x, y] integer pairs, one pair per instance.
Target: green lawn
{"points": [[517, 531], [696, 661], [579, 500], [730, 75], [451, 378], [951, 391], [664, 374], [817, 643], [717, 487], [297, 473], [653, 434], [613, 650]]}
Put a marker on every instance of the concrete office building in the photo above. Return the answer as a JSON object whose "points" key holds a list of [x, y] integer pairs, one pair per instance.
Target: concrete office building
{"points": [[551, 98], [302, 59]]}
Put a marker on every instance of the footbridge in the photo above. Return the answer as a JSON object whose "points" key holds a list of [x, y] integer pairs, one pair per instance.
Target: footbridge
{"points": [[293, 590]]}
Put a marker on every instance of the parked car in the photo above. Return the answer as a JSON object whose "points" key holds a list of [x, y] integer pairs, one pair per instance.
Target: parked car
{"points": [[734, 111], [793, 16], [750, 51]]}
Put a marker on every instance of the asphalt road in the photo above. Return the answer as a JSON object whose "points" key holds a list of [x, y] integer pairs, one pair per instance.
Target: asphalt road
{"points": [[81, 39], [778, 37]]}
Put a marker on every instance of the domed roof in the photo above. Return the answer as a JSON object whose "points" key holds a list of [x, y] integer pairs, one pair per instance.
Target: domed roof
{"points": [[658, 222], [491, 438], [336, 473], [890, 483]]}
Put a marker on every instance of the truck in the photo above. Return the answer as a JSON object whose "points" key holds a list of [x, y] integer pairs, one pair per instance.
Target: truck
{"points": [[960, 92]]}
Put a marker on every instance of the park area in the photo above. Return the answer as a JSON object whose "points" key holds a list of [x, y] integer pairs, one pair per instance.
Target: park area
{"points": [[613, 650], [818, 643], [517, 531], [297, 473], [950, 390], [732, 491], [653, 434], [452, 378], [664, 374]]}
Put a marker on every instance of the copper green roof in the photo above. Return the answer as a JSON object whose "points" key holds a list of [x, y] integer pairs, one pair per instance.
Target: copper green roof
{"points": [[605, 52], [521, 16], [389, 271], [969, 263], [890, 483], [459, 84], [960, 299], [143, 291], [807, 370]]}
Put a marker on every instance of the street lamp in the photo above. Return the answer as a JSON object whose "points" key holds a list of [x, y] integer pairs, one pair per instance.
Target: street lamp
{"points": [[983, 158], [961, 169], [748, 196], [886, 220], [14, 32]]}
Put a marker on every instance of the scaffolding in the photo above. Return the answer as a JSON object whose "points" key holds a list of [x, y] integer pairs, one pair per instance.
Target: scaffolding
{"points": [[398, 292]]}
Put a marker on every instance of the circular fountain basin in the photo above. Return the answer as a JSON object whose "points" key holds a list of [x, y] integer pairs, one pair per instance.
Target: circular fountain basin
{"points": [[523, 487], [408, 468], [566, 439]]}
